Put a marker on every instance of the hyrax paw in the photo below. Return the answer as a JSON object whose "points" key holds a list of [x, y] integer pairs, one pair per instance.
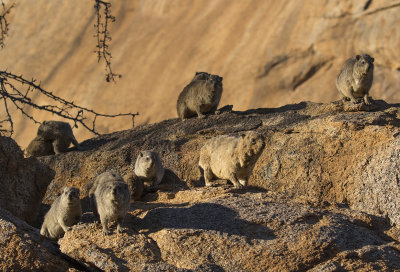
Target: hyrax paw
{"points": [[238, 186], [106, 232]]}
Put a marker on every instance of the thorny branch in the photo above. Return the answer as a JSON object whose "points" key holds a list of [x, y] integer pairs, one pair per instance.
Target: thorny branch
{"points": [[3, 22], [17, 91], [103, 36]]}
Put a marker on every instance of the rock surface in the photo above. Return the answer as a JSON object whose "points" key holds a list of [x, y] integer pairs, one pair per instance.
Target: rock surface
{"points": [[270, 53], [23, 181], [229, 230], [22, 248], [323, 194]]}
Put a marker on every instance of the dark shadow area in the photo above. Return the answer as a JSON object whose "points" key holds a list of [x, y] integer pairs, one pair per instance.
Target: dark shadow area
{"points": [[204, 216], [44, 208], [290, 107]]}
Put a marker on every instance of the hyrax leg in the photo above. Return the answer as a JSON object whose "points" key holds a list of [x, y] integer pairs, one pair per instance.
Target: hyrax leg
{"points": [[63, 226], [104, 223], [366, 100], [199, 113], [59, 146], [236, 184], [243, 181], [119, 224], [208, 175]]}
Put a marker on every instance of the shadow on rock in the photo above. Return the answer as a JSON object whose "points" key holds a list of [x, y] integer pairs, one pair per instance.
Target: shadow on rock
{"points": [[205, 216]]}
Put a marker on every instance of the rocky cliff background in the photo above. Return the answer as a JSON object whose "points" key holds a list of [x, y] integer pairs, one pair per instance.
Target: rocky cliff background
{"points": [[323, 195], [270, 53]]}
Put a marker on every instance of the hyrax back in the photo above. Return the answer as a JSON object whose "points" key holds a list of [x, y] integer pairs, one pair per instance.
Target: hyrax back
{"points": [[64, 212], [149, 168], [231, 157], [200, 96], [59, 133], [355, 78], [39, 147], [110, 199]]}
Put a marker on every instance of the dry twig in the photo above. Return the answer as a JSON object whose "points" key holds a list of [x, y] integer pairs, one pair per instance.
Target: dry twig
{"points": [[3, 22], [103, 36], [18, 91]]}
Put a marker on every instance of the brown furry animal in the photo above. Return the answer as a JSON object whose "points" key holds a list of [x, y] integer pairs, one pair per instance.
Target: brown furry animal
{"points": [[65, 212], [201, 96], [135, 185], [110, 199], [53, 137], [230, 157], [39, 147], [149, 168], [355, 78]]}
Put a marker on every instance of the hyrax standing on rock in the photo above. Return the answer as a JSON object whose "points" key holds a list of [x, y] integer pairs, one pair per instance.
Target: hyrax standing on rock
{"points": [[355, 78], [230, 157], [65, 212], [149, 168], [110, 199], [52, 137], [200, 96]]}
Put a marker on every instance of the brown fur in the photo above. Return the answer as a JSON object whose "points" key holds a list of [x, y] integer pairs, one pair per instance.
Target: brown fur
{"points": [[149, 168], [231, 157], [110, 199], [58, 133], [135, 185], [65, 212], [201, 96], [355, 78], [39, 147]]}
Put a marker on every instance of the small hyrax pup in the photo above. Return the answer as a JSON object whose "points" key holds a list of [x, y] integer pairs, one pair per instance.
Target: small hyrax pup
{"points": [[39, 147], [110, 199], [149, 168], [135, 185], [65, 212], [200, 96], [52, 137], [231, 157], [355, 78]]}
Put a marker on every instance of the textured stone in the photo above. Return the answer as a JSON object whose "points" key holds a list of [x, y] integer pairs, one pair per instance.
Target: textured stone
{"points": [[23, 181], [22, 248]]}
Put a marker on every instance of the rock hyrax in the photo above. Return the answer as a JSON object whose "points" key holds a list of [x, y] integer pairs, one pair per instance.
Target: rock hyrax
{"points": [[149, 168], [64, 213], [200, 96], [59, 133], [135, 185], [231, 157], [355, 78], [39, 147], [110, 199]]}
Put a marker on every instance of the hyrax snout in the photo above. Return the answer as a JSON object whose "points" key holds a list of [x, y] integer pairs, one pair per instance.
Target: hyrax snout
{"points": [[64, 213], [200, 96], [355, 79], [110, 199], [231, 157], [149, 168], [53, 137]]}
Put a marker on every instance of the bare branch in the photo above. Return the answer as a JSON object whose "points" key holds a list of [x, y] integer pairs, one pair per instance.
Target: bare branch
{"points": [[103, 36], [17, 90], [3, 22]]}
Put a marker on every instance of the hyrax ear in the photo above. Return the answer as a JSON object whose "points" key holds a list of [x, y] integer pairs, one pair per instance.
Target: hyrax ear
{"points": [[242, 135], [358, 57], [140, 154], [197, 73], [372, 59]]}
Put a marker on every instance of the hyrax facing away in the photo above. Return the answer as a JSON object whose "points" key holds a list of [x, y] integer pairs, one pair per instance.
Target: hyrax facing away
{"points": [[58, 133], [149, 167], [231, 157], [200, 96], [110, 199], [355, 78], [135, 185], [64, 212]]}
